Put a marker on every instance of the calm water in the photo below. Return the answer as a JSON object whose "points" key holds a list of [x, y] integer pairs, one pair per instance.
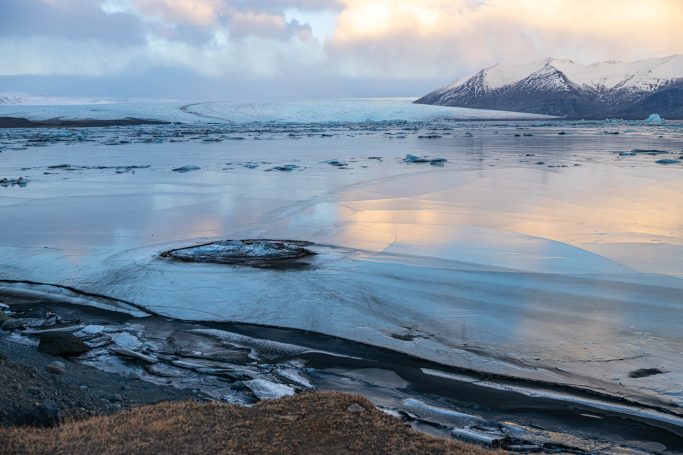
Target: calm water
{"points": [[530, 252]]}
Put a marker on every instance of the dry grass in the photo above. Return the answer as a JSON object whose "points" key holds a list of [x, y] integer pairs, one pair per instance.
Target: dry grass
{"points": [[311, 423]]}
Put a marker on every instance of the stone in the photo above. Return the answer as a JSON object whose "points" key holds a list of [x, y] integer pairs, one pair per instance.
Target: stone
{"points": [[12, 324], [132, 375], [62, 343], [644, 372], [47, 414], [56, 368], [355, 407]]}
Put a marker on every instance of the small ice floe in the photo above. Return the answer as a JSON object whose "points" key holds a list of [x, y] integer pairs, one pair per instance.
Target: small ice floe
{"points": [[654, 118], [441, 415], [134, 354], [249, 165], [493, 440], [118, 169], [424, 159], [294, 376], [268, 390], [667, 161], [284, 167], [93, 329], [651, 152], [429, 136], [261, 349], [126, 340], [256, 253], [21, 182], [188, 168], [337, 163]]}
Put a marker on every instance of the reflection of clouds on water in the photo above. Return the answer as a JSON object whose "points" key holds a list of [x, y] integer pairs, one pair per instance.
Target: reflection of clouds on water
{"points": [[515, 268]]}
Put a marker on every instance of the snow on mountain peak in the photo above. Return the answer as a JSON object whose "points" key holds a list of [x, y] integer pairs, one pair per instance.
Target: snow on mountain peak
{"points": [[566, 88], [648, 74]]}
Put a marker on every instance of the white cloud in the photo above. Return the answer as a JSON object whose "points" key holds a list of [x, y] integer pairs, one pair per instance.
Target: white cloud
{"points": [[345, 40], [425, 38]]}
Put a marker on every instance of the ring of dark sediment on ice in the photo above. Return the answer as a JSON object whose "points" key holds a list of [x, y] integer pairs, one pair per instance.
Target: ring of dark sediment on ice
{"points": [[249, 252]]}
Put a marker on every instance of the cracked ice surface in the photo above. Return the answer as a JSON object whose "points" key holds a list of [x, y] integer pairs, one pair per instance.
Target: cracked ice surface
{"points": [[569, 274]]}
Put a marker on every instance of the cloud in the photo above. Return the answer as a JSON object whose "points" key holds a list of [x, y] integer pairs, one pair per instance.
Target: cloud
{"points": [[289, 43], [68, 19], [424, 38]]}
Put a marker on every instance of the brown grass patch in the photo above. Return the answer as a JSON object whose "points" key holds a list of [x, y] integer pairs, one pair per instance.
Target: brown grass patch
{"points": [[309, 423]]}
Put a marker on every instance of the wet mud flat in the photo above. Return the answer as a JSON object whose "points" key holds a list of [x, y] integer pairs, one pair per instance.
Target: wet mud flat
{"points": [[245, 364]]}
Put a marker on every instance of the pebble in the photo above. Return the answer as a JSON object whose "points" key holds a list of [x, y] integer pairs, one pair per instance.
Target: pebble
{"points": [[56, 368], [12, 324], [64, 344], [355, 407]]}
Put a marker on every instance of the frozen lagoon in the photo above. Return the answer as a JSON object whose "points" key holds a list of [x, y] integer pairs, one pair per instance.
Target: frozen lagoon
{"points": [[543, 256]]}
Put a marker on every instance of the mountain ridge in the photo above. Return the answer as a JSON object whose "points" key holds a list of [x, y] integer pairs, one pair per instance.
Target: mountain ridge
{"points": [[568, 89]]}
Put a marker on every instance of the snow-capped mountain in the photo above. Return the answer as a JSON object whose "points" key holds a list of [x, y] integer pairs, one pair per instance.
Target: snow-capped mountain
{"points": [[569, 89]]}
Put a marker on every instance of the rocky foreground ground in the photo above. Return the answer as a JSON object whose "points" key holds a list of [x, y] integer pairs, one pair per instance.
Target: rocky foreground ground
{"points": [[51, 405]]}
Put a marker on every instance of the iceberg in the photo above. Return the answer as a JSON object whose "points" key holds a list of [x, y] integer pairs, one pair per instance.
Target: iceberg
{"points": [[654, 118]]}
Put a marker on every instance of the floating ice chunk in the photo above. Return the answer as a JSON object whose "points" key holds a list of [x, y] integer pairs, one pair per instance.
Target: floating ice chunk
{"points": [[337, 163], [294, 376], [441, 415], [651, 152], [667, 161], [285, 168], [265, 349], [126, 340], [249, 165], [256, 253], [654, 118], [268, 390], [424, 159], [188, 168], [134, 354], [496, 440], [92, 329], [21, 182]]}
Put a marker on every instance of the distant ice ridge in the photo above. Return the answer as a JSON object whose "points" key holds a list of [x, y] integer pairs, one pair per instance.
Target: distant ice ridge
{"points": [[302, 112], [351, 110], [43, 100]]}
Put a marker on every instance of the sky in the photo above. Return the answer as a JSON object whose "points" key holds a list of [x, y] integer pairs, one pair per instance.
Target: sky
{"points": [[286, 49]]}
